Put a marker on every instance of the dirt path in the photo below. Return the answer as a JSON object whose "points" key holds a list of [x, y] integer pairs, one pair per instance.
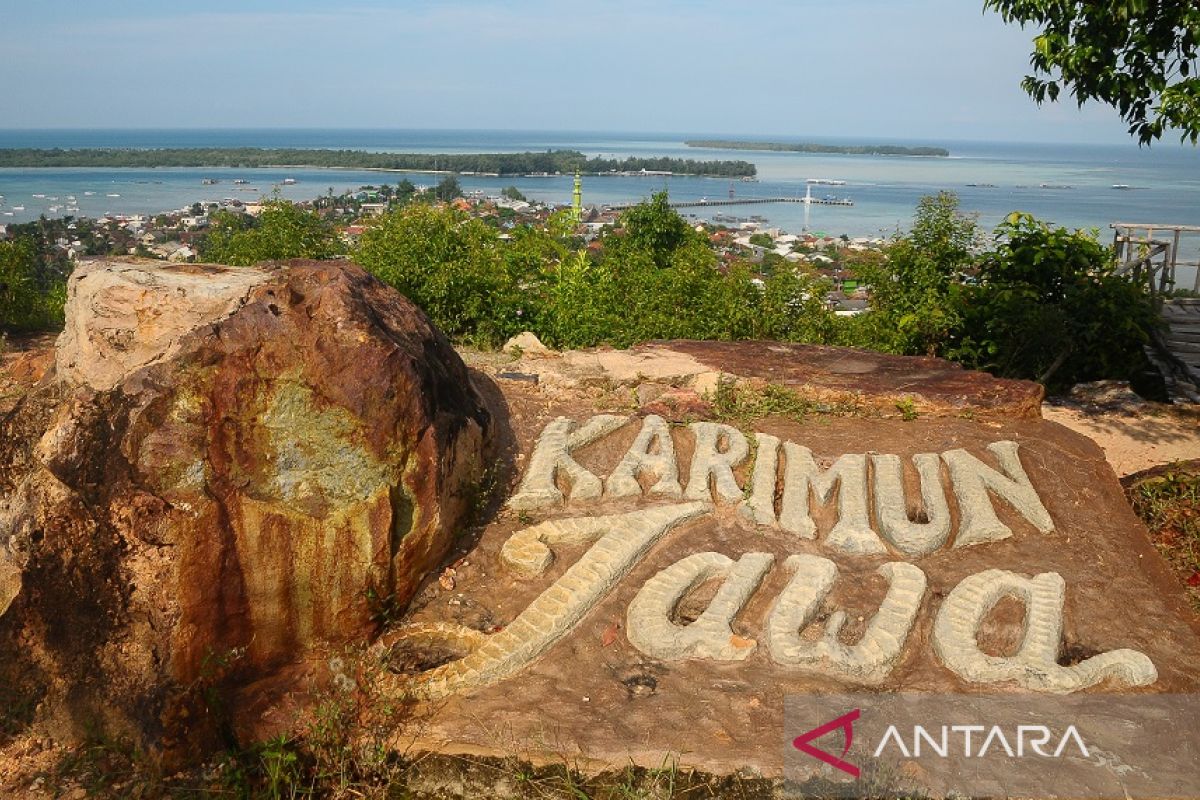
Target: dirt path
{"points": [[1135, 434]]}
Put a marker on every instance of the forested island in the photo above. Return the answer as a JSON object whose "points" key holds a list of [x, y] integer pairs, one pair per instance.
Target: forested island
{"points": [[549, 162], [857, 150]]}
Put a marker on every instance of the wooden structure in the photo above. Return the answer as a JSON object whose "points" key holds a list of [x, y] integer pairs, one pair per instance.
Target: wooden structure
{"points": [[745, 201], [1155, 254]]}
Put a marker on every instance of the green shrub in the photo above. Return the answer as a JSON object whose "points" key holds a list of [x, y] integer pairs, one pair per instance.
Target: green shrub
{"points": [[473, 284], [652, 228], [911, 288], [1047, 306], [282, 230], [630, 296], [31, 298]]}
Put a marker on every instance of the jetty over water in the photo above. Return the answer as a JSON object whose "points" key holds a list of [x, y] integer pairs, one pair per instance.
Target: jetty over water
{"points": [[745, 201], [1155, 253]]}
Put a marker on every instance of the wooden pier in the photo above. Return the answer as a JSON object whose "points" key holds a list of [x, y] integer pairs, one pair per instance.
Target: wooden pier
{"points": [[1182, 338], [745, 201], [1152, 254]]}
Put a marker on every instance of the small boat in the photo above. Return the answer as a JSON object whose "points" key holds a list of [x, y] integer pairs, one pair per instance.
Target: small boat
{"points": [[210, 181], [18, 208], [88, 194], [113, 194], [8, 213], [71, 197], [40, 196], [54, 209], [1121, 186], [241, 181], [289, 181]]}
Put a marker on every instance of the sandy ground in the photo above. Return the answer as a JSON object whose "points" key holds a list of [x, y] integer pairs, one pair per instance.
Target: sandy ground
{"points": [[1135, 434]]}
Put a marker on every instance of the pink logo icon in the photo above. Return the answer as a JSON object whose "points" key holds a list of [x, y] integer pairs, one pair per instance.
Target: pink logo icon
{"points": [[846, 724]]}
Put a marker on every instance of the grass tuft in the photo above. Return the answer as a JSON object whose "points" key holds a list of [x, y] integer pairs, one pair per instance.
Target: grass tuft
{"points": [[1168, 501], [742, 405]]}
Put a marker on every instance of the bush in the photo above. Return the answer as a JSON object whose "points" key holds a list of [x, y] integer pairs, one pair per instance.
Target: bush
{"points": [[1047, 306], [282, 230], [656, 279], [634, 295], [30, 298], [911, 288], [457, 269], [652, 228]]}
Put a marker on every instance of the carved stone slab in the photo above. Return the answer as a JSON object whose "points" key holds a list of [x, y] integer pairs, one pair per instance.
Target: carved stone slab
{"points": [[658, 587]]}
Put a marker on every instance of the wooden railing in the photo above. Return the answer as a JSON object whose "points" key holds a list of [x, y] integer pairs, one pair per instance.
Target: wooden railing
{"points": [[1151, 253]]}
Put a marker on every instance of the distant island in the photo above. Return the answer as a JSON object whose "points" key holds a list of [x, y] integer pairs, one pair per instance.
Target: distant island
{"points": [[547, 163], [857, 150]]}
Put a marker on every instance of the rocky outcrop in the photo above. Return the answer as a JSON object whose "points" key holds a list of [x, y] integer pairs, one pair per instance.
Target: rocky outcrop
{"points": [[819, 373], [229, 467]]}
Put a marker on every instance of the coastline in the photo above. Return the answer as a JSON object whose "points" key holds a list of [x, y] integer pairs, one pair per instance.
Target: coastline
{"points": [[991, 180]]}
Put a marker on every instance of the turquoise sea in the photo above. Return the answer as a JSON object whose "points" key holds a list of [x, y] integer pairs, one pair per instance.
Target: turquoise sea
{"points": [[1071, 185]]}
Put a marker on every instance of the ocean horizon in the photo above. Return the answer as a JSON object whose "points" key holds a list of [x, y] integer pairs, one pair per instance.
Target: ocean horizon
{"points": [[1074, 185]]}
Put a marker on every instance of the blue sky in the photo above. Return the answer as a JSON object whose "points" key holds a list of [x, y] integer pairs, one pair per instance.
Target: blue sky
{"points": [[884, 69]]}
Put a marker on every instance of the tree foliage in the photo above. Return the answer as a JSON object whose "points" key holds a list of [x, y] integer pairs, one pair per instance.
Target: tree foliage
{"points": [[657, 279], [812, 147], [281, 230], [456, 268], [1043, 303], [550, 161], [447, 189], [910, 290], [652, 228], [1046, 305], [30, 299], [1137, 56]]}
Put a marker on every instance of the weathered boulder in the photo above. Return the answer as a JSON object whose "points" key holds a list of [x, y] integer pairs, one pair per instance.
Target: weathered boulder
{"points": [[229, 468], [670, 583]]}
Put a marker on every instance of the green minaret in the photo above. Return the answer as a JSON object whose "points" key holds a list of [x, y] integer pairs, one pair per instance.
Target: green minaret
{"points": [[577, 197]]}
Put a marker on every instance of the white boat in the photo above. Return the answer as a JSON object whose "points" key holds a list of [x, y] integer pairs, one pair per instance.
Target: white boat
{"points": [[826, 182], [40, 196], [54, 209], [88, 194], [18, 208], [71, 197], [288, 181], [113, 194], [8, 213], [1121, 186]]}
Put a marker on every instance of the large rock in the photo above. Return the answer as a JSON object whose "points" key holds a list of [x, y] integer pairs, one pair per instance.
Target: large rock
{"points": [[230, 467], [662, 585], [839, 375]]}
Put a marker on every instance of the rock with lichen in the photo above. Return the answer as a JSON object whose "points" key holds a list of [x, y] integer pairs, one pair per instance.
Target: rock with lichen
{"points": [[228, 468]]}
